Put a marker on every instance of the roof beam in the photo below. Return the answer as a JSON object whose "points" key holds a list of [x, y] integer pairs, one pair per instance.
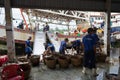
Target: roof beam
{"points": [[62, 14], [82, 5]]}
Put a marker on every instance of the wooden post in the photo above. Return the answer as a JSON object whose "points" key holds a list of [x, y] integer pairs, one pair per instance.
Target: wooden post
{"points": [[9, 31], [107, 28], [68, 30]]}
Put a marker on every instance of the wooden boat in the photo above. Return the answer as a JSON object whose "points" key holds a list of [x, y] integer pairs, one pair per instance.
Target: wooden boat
{"points": [[68, 36]]}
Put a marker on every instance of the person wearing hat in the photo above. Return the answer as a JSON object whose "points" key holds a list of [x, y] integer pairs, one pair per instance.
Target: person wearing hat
{"points": [[89, 44], [63, 46]]}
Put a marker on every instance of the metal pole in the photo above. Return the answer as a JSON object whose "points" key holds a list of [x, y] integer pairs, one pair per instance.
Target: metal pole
{"points": [[9, 31], [107, 28]]}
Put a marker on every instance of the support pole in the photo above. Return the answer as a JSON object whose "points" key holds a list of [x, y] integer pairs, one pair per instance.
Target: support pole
{"points": [[77, 24], [107, 28], [9, 31], [37, 23], [68, 30], [68, 21]]}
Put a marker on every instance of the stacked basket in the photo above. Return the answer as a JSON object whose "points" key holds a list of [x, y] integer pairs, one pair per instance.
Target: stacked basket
{"points": [[62, 60]]}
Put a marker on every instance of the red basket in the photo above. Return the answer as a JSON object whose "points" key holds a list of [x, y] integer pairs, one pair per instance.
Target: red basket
{"points": [[12, 72]]}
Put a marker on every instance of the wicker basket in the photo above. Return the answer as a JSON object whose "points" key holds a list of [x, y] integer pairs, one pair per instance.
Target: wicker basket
{"points": [[76, 60], [35, 60], [50, 62], [100, 57], [26, 68], [68, 57], [56, 56], [63, 62], [44, 56], [80, 57], [22, 59]]}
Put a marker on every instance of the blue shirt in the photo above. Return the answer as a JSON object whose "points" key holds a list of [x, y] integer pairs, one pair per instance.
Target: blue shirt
{"points": [[28, 43], [44, 29], [102, 25], [52, 48], [62, 46], [88, 42], [76, 43], [47, 27], [95, 36], [28, 48]]}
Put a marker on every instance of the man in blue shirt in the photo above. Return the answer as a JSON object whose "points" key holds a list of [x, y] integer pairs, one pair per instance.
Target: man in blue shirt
{"points": [[51, 46], [28, 49], [63, 46], [76, 44], [89, 51]]}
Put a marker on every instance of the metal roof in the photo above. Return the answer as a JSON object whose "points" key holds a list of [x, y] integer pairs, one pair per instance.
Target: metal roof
{"points": [[82, 5]]}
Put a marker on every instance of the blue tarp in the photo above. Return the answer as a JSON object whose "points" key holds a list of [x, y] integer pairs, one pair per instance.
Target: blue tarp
{"points": [[115, 29]]}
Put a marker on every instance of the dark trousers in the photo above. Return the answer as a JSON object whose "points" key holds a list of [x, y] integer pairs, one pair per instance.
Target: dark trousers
{"points": [[89, 60]]}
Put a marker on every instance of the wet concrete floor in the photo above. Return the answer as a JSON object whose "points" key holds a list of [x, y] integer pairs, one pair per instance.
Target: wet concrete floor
{"points": [[43, 73]]}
